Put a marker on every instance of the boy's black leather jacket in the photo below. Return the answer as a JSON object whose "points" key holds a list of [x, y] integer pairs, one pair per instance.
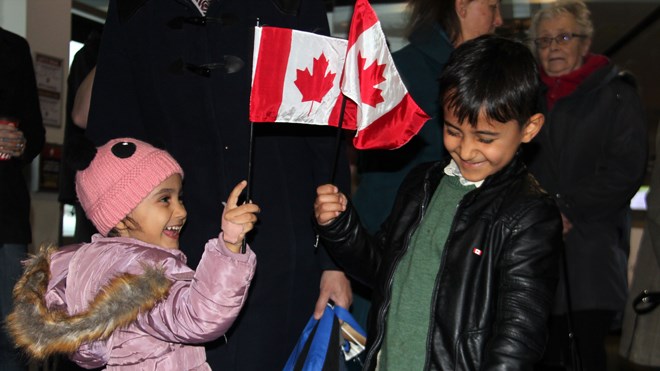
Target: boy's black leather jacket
{"points": [[497, 278]]}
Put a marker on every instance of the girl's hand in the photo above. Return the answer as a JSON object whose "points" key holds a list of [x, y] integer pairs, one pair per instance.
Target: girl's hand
{"points": [[237, 220], [329, 204]]}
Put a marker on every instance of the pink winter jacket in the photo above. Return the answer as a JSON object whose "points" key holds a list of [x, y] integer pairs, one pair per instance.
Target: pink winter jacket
{"points": [[201, 305]]}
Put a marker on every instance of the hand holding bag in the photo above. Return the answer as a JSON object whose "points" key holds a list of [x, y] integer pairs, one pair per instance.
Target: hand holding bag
{"points": [[324, 346]]}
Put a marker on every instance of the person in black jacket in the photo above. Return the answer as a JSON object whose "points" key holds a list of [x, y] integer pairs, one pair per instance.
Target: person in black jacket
{"points": [[176, 74], [591, 157], [465, 267], [20, 143], [82, 67]]}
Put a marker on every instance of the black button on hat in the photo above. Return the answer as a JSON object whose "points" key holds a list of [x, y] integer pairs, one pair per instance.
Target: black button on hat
{"points": [[124, 149]]}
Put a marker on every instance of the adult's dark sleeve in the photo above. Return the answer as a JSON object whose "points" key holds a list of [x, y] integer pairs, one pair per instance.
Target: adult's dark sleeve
{"points": [[29, 113], [114, 108]]}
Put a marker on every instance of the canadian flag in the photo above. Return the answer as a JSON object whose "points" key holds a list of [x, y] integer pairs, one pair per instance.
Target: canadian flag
{"points": [[387, 116], [296, 77]]}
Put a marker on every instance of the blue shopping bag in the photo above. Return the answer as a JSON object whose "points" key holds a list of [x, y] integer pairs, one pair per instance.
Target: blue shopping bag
{"points": [[324, 346]]}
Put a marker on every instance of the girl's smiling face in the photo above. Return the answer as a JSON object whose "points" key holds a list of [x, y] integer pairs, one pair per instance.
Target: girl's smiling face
{"points": [[485, 149], [158, 219]]}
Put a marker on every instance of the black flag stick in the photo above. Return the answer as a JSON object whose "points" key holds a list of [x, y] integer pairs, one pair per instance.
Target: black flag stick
{"points": [[340, 124], [338, 139], [248, 189]]}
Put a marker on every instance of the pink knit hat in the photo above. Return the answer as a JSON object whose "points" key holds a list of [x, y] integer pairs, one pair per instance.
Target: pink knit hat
{"points": [[123, 172]]}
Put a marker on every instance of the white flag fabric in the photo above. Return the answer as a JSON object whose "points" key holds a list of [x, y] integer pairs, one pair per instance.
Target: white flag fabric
{"points": [[296, 77], [387, 116]]}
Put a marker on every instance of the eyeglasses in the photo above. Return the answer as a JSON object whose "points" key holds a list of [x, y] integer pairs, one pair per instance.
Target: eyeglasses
{"points": [[561, 39]]}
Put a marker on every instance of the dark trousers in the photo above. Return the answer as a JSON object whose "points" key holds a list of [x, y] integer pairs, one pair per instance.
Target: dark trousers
{"points": [[11, 269], [590, 328]]}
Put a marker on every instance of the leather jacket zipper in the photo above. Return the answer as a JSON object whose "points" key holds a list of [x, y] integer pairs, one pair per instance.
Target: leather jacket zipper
{"points": [[371, 356], [435, 292]]}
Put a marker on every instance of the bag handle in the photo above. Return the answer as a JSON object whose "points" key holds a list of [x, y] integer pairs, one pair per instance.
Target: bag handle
{"points": [[309, 327], [319, 345], [646, 301], [321, 332], [319, 348], [347, 317]]}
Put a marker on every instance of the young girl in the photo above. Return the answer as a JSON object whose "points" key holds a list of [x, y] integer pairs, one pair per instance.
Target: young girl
{"points": [[127, 300]]}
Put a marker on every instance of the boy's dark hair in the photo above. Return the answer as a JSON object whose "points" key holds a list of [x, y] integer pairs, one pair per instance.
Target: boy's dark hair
{"points": [[494, 75]]}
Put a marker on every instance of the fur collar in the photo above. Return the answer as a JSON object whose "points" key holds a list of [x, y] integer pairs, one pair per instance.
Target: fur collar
{"points": [[42, 332]]}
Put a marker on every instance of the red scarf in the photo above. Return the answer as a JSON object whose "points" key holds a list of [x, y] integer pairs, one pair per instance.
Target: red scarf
{"points": [[561, 86]]}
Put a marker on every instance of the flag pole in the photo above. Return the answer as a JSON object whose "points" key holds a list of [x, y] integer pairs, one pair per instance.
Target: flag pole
{"points": [[338, 139], [248, 189]]}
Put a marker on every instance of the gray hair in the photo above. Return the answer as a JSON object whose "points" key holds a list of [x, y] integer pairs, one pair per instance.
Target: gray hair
{"points": [[577, 8]]}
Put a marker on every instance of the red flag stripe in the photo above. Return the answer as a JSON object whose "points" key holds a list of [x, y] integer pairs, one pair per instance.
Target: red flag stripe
{"points": [[388, 124], [269, 78], [389, 131], [350, 113], [360, 24]]}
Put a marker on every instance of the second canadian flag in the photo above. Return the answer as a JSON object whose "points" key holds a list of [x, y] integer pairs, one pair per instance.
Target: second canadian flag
{"points": [[296, 79]]}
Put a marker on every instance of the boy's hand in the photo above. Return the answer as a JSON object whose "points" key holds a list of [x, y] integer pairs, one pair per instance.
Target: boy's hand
{"points": [[329, 204], [237, 220]]}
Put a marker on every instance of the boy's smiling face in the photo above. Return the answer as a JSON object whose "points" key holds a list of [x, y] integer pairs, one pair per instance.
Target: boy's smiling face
{"points": [[485, 149], [159, 217]]}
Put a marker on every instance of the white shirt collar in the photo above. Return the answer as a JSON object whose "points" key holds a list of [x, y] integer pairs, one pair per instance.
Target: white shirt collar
{"points": [[453, 170], [202, 5]]}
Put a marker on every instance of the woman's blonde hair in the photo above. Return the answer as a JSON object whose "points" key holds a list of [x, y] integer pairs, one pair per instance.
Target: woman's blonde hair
{"points": [[578, 9]]}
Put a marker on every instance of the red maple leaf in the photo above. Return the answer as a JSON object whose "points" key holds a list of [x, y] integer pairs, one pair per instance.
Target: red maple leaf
{"points": [[370, 77], [314, 86]]}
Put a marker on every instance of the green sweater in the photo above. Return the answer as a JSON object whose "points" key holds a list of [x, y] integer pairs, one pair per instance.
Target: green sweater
{"points": [[408, 320]]}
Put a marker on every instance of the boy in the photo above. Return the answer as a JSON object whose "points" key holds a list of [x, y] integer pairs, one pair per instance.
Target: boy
{"points": [[465, 287]]}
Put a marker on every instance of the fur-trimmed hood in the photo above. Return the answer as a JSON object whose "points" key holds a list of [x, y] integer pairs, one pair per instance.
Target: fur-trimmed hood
{"points": [[43, 331]]}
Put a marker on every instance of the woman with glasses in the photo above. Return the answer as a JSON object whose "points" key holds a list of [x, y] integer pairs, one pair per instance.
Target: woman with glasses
{"points": [[591, 156]]}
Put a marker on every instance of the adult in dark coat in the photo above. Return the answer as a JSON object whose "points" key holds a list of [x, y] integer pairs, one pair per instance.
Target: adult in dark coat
{"points": [[19, 146], [591, 156], [640, 333], [83, 63], [174, 78]]}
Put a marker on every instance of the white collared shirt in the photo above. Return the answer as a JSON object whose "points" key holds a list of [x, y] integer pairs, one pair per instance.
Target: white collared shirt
{"points": [[453, 170]]}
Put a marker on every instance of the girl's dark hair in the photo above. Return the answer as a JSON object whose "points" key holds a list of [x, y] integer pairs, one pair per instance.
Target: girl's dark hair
{"points": [[130, 224], [494, 75], [425, 13]]}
